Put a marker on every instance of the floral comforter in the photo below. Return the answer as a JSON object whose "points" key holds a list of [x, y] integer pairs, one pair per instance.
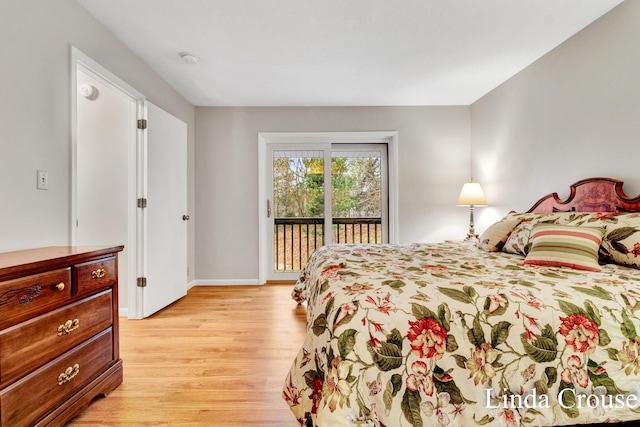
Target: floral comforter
{"points": [[447, 335]]}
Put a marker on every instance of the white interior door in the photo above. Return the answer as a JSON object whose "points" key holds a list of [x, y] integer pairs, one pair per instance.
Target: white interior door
{"points": [[104, 172], [163, 181]]}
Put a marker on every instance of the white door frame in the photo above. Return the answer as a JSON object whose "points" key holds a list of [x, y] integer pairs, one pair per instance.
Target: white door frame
{"points": [[88, 65], [375, 137]]}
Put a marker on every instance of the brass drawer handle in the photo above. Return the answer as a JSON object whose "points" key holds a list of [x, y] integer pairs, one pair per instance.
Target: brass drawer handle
{"points": [[68, 326], [59, 286], [68, 374], [97, 274]]}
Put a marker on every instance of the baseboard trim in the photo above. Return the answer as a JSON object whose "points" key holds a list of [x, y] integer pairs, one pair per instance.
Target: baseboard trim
{"points": [[228, 282], [281, 282]]}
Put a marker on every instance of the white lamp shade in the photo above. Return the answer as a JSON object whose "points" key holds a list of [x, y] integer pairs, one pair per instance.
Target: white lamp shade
{"points": [[471, 195]]}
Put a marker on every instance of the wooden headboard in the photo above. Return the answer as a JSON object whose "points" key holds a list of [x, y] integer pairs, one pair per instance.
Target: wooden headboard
{"points": [[590, 195]]}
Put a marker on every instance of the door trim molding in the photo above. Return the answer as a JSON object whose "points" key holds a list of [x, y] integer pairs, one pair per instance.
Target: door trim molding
{"points": [[264, 138]]}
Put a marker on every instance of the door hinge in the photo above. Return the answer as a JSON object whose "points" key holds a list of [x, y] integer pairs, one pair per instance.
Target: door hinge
{"points": [[142, 123], [142, 202], [142, 282]]}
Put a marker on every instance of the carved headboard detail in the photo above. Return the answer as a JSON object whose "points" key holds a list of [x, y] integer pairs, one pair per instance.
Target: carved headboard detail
{"points": [[590, 195]]}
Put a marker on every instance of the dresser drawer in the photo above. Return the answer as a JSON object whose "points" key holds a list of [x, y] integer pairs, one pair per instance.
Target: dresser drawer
{"points": [[21, 296], [94, 275], [24, 402], [33, 343]]}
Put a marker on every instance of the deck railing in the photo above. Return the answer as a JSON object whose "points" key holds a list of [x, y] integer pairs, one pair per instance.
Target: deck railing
{"points": [[297, 238]]}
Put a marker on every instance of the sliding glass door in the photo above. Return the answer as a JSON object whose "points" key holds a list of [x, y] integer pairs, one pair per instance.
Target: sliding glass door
{"points": [[321, 194]]}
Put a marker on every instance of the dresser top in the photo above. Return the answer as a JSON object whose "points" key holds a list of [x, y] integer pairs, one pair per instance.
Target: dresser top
{"points": [[16, 263]]}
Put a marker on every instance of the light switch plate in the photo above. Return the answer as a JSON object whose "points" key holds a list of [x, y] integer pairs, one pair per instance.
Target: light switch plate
{"points": [[43, 180]]}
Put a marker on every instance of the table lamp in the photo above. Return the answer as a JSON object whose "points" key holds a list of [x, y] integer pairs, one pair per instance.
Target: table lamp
{"points": [[471, 195]]}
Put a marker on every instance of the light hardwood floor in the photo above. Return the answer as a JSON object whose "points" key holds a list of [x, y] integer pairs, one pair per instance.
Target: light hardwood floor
{"points": [[217, 357]]}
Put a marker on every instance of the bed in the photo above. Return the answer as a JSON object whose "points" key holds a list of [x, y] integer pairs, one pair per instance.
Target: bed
{"points": [[535, 324]]}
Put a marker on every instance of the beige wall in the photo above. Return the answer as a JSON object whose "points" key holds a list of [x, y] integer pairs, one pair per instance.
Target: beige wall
{"points": [[433, 160], [35, 105], [573, 114]]}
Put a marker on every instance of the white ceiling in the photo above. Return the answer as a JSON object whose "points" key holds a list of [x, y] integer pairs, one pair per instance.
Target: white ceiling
{"points": [[342, 52]]}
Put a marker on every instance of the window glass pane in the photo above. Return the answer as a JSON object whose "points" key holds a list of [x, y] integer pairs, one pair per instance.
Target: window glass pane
{"points": [[298, 207], [356, 197]]}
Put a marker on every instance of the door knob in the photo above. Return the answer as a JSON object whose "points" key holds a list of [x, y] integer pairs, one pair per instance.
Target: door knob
{"points": [[185, 217]]}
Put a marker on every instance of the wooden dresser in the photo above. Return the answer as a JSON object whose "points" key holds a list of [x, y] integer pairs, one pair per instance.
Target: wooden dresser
{"points": [[58, 332]]}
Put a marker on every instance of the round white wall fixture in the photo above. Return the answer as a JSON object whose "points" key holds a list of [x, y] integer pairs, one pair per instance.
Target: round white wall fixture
{"points": [[88, 91], [189, 58]]}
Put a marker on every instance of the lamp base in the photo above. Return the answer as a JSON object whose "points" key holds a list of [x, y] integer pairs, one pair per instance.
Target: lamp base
{"points": [[470, 237], [471, 234]]}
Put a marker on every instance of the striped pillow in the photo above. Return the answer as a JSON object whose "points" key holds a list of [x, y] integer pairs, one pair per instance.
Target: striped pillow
{"points": [[565, 246]]}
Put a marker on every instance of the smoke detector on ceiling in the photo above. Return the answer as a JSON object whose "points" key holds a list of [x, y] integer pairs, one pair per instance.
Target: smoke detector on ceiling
{"points": [[189, 58]]}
